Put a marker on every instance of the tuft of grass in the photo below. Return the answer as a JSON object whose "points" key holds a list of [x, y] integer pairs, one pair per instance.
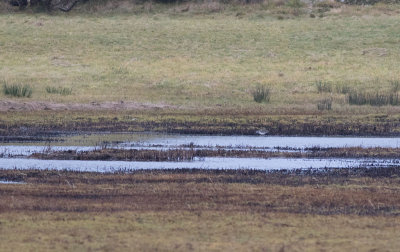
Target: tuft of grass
{"points": [[296, 5], [395, 85], [59, 90], [325, 104], [343, 88], [323, 86], [17, 90], [326, 5], [373, 99], [261, 94]]}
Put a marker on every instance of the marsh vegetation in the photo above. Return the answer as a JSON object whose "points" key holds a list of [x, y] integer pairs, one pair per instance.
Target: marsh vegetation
{"points": [[59, 90], [17, 90]]}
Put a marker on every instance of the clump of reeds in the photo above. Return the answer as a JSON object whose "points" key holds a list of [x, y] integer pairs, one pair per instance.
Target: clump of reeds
{"points": [[373, 99], [59, 90], [116, 154], [323, 86], [325, 104], [395, 85], [261, 93], [17, 90], [343, 88]]}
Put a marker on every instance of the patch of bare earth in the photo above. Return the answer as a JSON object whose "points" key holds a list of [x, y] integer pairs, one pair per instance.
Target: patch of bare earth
{"points": [[10, 105]]}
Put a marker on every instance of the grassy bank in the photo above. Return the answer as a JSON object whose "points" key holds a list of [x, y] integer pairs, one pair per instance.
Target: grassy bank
{"points": [[209, 60], [201, 210], [168, 69]]}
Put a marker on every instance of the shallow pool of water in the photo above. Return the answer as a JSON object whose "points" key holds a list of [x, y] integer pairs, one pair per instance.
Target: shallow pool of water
{"points": [[22, 150], [271, 141], [166, 141], [204, 163], [10, 182]]}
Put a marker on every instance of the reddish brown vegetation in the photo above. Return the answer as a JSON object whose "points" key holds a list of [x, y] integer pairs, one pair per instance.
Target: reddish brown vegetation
{"points": [[190, 153], [337, 192]]}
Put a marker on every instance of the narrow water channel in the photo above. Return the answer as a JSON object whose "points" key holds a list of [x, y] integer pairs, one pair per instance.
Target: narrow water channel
{"points": [[203, 163], [13, 154]]}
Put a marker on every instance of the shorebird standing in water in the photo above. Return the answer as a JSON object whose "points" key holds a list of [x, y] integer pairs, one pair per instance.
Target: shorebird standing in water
{"points": [[262, 132]]}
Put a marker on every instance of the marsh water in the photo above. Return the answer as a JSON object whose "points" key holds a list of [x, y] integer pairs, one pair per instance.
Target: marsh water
{"points": [[13, 154]]}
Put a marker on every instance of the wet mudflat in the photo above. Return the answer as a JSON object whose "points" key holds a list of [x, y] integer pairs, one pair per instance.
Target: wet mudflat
{"points": [[124, 152]]}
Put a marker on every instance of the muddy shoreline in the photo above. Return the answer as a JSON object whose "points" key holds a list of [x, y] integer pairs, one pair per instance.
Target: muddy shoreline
{"points": [[277, 129], [42, 124], [41, 133], [293, 177]]}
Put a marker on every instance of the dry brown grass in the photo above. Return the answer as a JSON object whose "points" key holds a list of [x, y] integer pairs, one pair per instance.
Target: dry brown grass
{"points": [[337, 192], [198, 231], [199, 210]]}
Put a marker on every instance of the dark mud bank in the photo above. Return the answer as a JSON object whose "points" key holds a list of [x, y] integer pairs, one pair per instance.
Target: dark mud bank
{"points": [[229, 125]]}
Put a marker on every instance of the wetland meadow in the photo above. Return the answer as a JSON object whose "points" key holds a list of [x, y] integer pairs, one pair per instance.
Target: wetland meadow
{"points": [[200, 126]]}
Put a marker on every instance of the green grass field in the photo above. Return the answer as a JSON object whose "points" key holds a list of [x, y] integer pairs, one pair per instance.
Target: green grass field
{"points": [[207, 60]]}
